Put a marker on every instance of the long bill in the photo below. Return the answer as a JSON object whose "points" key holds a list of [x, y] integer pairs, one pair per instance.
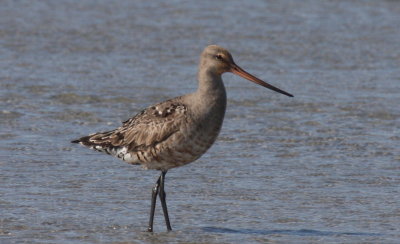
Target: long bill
{"points": [[239, 71]]}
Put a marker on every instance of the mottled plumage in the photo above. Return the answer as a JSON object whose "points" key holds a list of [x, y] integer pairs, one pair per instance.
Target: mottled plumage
{"points": [[144, 139], [178, 131], [162, 136]]}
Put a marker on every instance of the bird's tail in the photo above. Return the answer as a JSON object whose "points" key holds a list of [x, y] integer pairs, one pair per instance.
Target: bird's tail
{"points": [[101, 142], [84, 140]]}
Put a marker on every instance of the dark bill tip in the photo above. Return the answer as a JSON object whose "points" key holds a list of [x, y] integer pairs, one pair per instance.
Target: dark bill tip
{"points": [[239, 71]]}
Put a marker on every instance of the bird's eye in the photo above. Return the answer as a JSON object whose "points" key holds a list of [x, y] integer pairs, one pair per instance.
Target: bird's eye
{"points": [[218, 57]]}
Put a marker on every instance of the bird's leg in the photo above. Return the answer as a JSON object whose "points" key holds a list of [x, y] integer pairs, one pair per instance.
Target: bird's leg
{"points": [[153, 203], [163, 200]]}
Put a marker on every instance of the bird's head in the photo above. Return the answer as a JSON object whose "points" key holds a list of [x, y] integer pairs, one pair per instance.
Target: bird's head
{"points": [[218, 60]]}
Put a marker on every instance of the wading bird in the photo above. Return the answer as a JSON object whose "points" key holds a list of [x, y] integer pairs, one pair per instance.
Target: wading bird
{"points": [[178, 131]]}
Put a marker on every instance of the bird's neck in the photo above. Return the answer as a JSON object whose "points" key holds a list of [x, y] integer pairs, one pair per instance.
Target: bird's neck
{"points": [[210, 97], [210, 84]]}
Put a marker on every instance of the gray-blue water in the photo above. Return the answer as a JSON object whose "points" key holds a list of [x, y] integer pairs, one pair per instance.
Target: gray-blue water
{"points": [[322, 167]]}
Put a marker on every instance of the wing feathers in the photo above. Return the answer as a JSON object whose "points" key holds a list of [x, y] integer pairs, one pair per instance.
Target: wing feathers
{"points": [[144, 131]]}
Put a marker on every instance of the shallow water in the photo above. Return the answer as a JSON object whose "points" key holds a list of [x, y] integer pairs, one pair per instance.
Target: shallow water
{"points": [[323, 166]]}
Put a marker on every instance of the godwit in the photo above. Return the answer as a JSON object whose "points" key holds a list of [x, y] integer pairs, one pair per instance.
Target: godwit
{"points": [[177, 131]]}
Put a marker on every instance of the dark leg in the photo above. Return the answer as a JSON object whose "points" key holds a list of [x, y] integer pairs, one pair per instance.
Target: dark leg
{"points": [[153, 204], [163, 200]]}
